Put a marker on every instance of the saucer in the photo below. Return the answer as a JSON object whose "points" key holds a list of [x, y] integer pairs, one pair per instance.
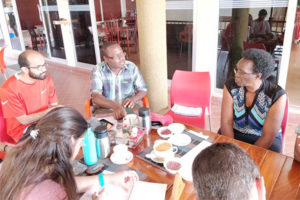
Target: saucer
{"points": [[154, 158], [180, 139], [127, 159]]}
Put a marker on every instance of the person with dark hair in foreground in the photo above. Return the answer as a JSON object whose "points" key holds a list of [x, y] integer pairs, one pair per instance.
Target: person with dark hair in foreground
{"points": [[253, 106], [224, 171], [116, 83], [40, 166]]}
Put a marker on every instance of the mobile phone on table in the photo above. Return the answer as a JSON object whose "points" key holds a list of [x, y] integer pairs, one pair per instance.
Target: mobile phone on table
{"points": [[108, 124]]}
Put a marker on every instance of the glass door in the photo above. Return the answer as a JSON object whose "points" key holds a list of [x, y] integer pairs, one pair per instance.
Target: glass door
{"points": [[50, 14], [83, 31], [13, 24]]}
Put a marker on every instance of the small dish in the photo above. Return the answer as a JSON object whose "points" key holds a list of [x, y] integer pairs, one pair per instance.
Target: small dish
{"points": [[127, 159], [176, 128], [164, 132], [173, 165], [180, 139]]}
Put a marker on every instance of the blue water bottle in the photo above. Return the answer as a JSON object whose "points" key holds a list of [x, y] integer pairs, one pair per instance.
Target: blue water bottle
{"points": [[89, 148]]}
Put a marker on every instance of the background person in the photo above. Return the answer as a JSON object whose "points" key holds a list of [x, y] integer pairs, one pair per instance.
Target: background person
{"points": [[40, 166], [261, 32], [224, 171], [252, 106], [27, 96], [116, 83], [261, 29]]}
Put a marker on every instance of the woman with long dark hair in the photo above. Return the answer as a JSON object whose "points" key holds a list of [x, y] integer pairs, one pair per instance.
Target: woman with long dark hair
{"points": [[39, 167]]}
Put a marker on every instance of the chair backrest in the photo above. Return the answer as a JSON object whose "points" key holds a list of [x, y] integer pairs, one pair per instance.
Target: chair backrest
{"points": [[111, 28], [284, 120], [254, 46], [192, 89], [2, 63]]}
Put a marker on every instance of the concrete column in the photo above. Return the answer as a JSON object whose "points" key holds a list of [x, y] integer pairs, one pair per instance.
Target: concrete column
{"points": [[153, 52]]}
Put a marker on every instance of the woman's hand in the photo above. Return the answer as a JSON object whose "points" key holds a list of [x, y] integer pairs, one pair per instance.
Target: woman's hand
{"points": [[99, 195], [124, 179]]}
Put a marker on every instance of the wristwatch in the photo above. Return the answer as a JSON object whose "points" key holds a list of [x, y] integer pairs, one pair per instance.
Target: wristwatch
{"points": [[298, 130]]}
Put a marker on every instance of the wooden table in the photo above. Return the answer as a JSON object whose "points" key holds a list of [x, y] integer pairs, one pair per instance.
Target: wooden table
{"points": [[281, 173]]}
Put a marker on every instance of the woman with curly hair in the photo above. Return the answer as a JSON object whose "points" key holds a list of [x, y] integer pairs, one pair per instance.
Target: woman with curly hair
{"points": [[253, 105]]}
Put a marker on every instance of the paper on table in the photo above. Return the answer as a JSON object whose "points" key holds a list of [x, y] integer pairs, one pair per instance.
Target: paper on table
{"points": [[142, 190], [188, 159], [187, 111], [148, 191], [200, 134]]}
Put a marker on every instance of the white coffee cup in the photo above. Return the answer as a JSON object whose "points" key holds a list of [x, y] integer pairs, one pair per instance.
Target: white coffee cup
{"points": [[164, 149], [120, 151]]}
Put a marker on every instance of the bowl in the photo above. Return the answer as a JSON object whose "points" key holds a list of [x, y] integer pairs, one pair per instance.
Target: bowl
{"points": [[176, 128], [173, 165], [164, 132]]}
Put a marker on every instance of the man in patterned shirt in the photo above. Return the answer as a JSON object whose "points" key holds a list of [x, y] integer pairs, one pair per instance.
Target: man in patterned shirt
{"points": [[116, 83]]}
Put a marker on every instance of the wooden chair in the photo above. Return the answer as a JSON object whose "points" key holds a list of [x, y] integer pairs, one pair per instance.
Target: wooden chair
{"points": [[111, 28], [128, 38], [36, 39]]}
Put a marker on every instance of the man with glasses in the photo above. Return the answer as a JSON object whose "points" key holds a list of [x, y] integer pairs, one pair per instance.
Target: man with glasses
{"points": [[252, 105], [116, 83], [27, 96]]}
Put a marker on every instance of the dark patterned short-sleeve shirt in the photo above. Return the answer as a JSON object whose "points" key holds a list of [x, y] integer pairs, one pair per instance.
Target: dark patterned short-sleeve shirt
{"points": [[117, 87], [250, 120]]}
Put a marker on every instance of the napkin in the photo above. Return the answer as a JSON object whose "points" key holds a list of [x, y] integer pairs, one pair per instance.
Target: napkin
{"points": [[186, 111]]}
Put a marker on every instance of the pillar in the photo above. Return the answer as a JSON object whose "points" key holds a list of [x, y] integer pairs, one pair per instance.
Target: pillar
{"points": [[151, 17]]}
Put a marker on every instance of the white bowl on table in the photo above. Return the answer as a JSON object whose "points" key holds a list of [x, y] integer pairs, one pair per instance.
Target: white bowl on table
{"points": [[176, 128], [174, 162], [160, 132]]}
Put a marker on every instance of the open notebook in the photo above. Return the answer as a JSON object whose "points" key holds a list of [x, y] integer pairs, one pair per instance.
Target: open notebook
{"points": [[142, 190]]}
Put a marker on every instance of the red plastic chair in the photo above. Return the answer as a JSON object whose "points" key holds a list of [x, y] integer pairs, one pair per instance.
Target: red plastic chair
{"points": [[2, 63], [254, 46], [284, 121], [191, 89]]}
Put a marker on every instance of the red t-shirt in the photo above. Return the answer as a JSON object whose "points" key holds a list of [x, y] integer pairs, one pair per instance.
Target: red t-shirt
{"points": [[19, 98]]}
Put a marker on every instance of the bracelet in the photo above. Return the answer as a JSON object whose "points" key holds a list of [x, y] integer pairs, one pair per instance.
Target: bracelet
{"points": [[101, 180]]}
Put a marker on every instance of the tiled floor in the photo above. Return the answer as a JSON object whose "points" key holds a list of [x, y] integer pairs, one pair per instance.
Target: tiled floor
{"points": [[72, 87]]}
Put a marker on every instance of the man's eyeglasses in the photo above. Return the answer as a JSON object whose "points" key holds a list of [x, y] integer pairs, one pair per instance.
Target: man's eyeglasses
{"points": [[242, 73], [118, 56], [39, 67]]}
